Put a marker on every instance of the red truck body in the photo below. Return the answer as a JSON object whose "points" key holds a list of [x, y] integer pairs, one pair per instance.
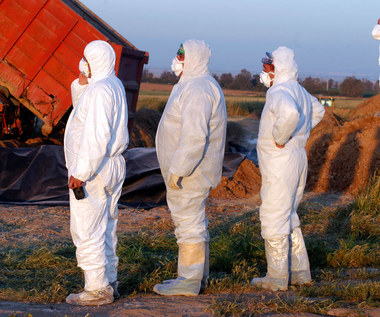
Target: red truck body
{"points": [[41, 44]]}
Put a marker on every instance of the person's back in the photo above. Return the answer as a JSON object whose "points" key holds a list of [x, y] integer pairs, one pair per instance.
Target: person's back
{"points": [[289, 114], [280, 96]]}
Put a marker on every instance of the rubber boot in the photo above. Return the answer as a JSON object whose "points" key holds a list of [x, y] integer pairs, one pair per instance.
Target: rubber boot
{"points": [[277, 277], [191, 262], [299, 261]]}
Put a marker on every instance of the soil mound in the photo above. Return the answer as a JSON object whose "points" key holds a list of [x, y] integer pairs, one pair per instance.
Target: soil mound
{"points": [[245, 182], [144, 128], [368, 108], [343, 156]]}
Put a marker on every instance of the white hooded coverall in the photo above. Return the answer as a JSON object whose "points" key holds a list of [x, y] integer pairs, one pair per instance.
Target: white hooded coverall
{"points": [[289, 114], [190, 143], [95, 137]]}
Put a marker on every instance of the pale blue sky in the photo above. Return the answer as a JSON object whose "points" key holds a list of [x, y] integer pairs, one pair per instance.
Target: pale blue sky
{"points": [[331, 38]]}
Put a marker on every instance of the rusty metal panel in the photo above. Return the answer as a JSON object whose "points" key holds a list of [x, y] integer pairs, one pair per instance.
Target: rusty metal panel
{"points": [[15, 17], [41, 44]]}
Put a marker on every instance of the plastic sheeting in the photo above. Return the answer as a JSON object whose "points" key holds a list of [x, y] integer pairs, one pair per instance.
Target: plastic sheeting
{"points": [[39, 176]]}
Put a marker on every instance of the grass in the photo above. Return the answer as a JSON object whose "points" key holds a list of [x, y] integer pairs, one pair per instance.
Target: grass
{"points": [[239, 105], [344, 256], [236, 105]]}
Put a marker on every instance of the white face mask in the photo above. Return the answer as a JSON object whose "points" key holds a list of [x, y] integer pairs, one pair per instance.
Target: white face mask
{"points": [[84, 68], [265, 78], [177, 66]]}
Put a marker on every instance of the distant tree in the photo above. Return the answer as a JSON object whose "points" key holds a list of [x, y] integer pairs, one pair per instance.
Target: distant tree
{"points": [[215, 76], [314, 85], [168, 78], [368, 85], [226, 80], [376, 86], [147, 76], [351, 87], [242, 81]]}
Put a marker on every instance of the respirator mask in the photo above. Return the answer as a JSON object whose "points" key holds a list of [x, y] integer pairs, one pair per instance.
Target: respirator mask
{"points": [[265, 78], [84, 68], [177, 66]]}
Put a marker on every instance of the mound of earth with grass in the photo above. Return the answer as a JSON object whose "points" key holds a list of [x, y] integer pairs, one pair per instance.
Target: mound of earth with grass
{"points": [[344, 155]]}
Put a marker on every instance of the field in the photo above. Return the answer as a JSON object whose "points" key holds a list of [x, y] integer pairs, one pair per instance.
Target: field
{"points": [[340, 216], [239, 103]]}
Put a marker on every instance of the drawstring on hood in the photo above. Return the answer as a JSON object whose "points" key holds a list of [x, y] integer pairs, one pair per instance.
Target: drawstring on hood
{"points": [[285, 66], [197, 56], [102, 58]]}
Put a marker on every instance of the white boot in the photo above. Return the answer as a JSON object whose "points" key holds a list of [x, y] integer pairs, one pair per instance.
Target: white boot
{"points": [[299, 261], [99, 297], [97, 290], [191, 263], [277, 277]]}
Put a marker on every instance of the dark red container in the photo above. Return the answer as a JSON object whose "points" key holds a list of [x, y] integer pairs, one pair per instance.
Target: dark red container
{"points": [[41, 44]]}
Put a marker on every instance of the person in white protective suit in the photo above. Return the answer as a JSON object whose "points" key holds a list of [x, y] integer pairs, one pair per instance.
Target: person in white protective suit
{"points": [[96, 136], [190, 149], [376, 36], [289, 114]]}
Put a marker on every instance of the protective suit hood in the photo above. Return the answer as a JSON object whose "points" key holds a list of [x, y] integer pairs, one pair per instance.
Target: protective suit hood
{"points": [[101, 57], [285, 66], [197, 56]]}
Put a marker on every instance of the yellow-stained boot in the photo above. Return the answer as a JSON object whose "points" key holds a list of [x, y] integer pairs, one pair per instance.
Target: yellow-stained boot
{"points": [[191, 267]]}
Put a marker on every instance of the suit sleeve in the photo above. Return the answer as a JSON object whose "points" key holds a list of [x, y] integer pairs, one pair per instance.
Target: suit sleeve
{"points": [[77, 91], [285, 111], [318, 112], [96, 135]]}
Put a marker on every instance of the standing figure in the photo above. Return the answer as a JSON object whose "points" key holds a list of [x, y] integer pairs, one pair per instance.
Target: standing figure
{"points": [[96, 136], [376, 35], [289, 114], [190, 149]]}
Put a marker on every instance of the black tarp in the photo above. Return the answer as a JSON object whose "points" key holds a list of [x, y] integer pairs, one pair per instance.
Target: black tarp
{"points": [[39, 176]]}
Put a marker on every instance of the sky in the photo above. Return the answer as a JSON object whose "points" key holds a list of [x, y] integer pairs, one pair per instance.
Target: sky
{"points": [[330, 38]]}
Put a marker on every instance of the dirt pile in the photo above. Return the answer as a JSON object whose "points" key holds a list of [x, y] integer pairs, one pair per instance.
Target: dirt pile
{"points": [[245, 183], [342, 156], [368, 108]]}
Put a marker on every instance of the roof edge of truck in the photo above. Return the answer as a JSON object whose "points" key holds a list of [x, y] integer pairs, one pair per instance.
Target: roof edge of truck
{"points": [[100, 24]]}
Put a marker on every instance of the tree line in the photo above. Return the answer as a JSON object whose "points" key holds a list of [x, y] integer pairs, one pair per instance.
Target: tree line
{"points": [[350, 86]]}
